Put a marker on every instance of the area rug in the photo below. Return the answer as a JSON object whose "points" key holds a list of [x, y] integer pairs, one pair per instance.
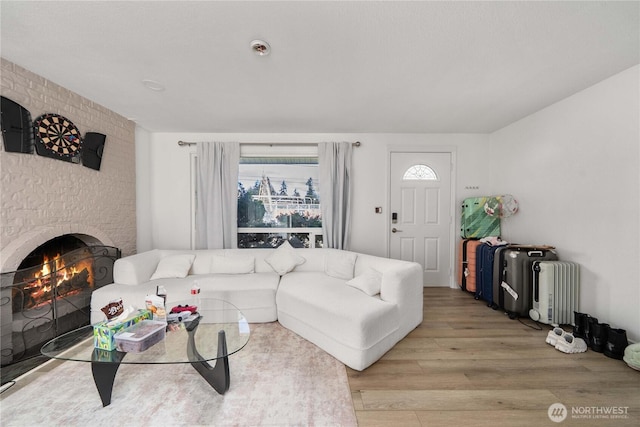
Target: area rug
{"points": [[278, 379]]}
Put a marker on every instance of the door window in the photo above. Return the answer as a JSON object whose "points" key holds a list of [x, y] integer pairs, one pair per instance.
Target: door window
{"points": [[420, 173]]}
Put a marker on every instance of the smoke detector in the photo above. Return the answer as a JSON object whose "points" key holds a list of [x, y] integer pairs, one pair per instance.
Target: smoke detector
{"points": [[260, 47]]}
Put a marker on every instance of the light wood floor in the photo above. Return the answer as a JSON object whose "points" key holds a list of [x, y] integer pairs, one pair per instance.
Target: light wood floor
{"points": [[468, 365]]}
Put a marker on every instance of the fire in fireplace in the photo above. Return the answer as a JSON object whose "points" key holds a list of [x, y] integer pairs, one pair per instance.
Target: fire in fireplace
{"points": [[53, 275], [44, 271], [50, 293]]}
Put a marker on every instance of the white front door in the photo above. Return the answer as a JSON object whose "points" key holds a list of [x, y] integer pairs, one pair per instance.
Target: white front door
{"points": [[421, 221]]}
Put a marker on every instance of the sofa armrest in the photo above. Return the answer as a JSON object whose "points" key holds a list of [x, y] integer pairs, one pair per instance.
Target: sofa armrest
{"points": [[402, 284], [136, 269]]}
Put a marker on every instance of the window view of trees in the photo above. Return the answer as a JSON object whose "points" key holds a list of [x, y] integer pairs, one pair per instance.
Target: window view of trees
{"points": [[284, 211], [262, 206], [250, 211]]}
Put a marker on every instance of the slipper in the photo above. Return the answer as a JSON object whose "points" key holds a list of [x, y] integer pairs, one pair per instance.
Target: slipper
{"points": [[570, 344], [554, 335]]}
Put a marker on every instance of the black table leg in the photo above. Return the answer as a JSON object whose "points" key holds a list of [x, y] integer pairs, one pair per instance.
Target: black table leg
{"points": [[104, 366], [217, 375]]}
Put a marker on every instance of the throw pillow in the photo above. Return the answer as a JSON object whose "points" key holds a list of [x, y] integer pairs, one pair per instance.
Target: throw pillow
{"points": [[340, 264], [173, 266], [235, 264], [284, 259], [369, 282], [202, 263]]}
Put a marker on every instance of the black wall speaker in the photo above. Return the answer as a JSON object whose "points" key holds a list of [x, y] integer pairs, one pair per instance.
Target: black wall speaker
{"points": [[92, 149], [17, 128]]}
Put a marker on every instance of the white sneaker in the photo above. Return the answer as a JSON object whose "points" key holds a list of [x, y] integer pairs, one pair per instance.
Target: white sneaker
{"points": [[554, 335], [570, 344]]}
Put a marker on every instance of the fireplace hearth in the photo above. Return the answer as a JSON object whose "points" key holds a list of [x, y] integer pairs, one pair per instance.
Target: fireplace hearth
{"points": [[41, 301]]}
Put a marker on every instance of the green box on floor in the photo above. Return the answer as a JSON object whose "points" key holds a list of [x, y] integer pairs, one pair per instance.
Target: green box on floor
{"points": [[103, 334]]}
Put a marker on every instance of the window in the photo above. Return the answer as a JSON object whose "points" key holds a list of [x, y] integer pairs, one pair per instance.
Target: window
{"points": [[420, 172], [278, 198]]}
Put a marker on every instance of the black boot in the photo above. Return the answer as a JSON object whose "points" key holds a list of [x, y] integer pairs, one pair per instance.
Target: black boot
{"points": [[598, 336], [616, 343], [588, 330], [580, 324]]}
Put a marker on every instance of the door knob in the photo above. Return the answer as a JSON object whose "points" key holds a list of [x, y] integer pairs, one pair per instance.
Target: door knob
{"points": [[395, 230]]}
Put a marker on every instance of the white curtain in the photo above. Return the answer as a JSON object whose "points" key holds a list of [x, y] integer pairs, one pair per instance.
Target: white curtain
{"points": [[334, 161], [217, 195]]}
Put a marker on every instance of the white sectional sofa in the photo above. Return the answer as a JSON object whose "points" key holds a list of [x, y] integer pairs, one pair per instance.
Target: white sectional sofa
{"points": [[354, 306]]}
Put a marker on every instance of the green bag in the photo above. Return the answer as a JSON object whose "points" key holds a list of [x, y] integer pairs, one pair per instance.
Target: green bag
{"points": [[475, 222]]}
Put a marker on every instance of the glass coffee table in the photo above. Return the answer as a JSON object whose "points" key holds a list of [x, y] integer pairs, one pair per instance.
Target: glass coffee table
{"points": [[219, 331]]}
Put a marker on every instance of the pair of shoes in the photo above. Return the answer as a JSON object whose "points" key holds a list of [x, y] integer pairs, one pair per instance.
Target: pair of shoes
{"points": [[554, 335], [565, 341]]}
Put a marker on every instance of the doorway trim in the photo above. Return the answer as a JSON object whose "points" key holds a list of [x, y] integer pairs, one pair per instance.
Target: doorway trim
{"points": [[452, 221]]}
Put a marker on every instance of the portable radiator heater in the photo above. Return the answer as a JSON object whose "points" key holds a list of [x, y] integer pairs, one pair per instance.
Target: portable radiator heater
{"points": [[556, 292]]}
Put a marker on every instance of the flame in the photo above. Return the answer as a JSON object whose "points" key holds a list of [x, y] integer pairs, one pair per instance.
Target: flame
{"points": [[42, 282]]}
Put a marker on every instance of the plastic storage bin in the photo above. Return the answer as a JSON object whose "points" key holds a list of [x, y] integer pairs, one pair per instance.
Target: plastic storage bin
{"points": [[140, 336], [104, 333]]}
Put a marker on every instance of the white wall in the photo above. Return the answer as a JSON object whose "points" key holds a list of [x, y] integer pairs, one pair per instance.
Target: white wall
{"points": [[169, 168], [574, 167]]}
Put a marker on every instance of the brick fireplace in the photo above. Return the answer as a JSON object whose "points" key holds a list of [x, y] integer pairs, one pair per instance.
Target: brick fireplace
{"points": [[43, 198]]}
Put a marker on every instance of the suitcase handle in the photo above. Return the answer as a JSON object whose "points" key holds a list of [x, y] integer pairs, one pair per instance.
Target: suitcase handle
{"points": [[535, 253], [536, 281]]}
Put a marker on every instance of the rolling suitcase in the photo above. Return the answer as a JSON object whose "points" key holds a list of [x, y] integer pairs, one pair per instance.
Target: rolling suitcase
{"points": [[467, 264], [481, 256], [498, 258], [516, 277], [475, 222], [484, 273]]}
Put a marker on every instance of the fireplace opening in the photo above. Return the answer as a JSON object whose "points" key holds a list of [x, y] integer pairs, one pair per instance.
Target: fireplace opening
{"points": [[45, 270], [57, 245], [50, 293]]}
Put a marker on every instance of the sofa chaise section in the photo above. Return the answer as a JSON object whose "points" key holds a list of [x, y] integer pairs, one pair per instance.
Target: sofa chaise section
{"points": [[354, 327]]}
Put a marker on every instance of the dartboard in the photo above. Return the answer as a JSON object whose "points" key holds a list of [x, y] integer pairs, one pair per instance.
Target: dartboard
{"points": [[57, 137]]}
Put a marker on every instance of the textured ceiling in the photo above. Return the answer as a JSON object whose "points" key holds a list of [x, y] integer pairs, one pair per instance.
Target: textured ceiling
{"points": [[335, 66]]}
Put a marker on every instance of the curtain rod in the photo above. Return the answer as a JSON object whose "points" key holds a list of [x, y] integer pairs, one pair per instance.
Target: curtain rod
{"points": [[183, 143]]}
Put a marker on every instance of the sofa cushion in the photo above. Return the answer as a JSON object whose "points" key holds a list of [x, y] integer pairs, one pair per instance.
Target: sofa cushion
{"points": [[173, 266], [234, 264], [340, 264], [341, 312], [253, 294], [284, 259], [202, 263], [368, 282]]}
